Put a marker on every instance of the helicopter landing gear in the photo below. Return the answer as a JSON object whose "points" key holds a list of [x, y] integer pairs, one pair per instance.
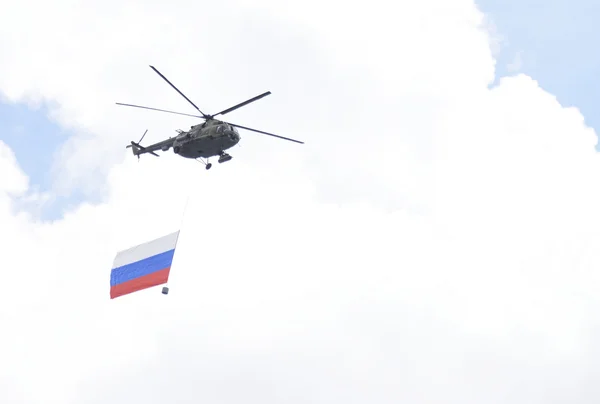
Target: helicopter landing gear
{"points": [[207, 165], [224, 157]]}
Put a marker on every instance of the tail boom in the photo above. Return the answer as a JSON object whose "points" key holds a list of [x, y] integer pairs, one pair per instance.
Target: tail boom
{"points": [[138, 149]]}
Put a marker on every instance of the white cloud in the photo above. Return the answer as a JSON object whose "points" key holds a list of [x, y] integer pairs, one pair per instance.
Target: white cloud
{"points": [[432, 241], [14, 181]]}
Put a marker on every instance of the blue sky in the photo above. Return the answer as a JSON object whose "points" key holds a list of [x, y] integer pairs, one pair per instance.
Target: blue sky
{"points": [[32, 137], [553, 39], [35, 139], [556, 41]]}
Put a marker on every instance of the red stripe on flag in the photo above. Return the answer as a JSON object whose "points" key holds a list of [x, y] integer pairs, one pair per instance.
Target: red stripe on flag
{"points": [[143, 282]]}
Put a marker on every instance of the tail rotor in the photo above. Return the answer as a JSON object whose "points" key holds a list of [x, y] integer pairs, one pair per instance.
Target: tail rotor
{"points": [[137, 148]]}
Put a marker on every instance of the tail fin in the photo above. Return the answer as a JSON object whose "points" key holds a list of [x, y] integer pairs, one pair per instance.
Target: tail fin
{"points": [[138, 149], [135, 148]]}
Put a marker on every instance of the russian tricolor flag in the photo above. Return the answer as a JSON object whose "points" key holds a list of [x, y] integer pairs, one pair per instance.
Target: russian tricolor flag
{"points": [[143, 266]]}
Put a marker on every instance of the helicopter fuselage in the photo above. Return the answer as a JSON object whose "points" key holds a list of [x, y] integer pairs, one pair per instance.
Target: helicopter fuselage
{"points": [[206, 140]]}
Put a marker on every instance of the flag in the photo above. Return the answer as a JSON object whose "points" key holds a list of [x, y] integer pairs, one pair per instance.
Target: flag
{"points": [[143, 266]]}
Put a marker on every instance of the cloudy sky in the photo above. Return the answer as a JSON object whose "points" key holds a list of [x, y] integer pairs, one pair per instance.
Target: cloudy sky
{"points": [[435, 239]]}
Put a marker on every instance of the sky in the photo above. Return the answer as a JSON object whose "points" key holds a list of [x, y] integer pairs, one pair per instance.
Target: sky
{"points": [[549, 40], [435, 239], [36, 139]]}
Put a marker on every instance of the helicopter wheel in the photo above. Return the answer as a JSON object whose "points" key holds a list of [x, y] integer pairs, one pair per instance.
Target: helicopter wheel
{"points": [[208, 166]]}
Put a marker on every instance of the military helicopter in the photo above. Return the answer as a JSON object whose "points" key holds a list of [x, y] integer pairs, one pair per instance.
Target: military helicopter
{"points": [[208, 139]]}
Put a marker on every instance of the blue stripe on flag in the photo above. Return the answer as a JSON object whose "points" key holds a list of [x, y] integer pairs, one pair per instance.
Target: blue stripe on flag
{"points": [[141, 268]]}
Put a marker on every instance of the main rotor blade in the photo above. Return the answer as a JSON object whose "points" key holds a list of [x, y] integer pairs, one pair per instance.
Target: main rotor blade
{"points": [[265, 133], [258, 97], [161, 110], [176, 89]]}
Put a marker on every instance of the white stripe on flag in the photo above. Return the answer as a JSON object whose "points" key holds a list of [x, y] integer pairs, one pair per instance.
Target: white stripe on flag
{"points": [[145, 250]]}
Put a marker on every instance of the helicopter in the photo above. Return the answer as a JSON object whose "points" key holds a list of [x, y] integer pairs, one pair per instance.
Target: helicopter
{"points": [[203, 141]]}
